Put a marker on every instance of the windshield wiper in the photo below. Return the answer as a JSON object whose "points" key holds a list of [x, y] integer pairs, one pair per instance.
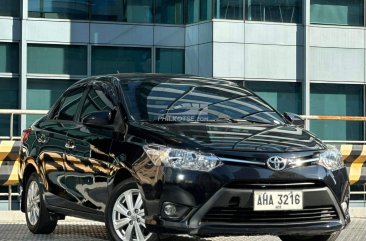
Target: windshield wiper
{"points": [[161, 121]]}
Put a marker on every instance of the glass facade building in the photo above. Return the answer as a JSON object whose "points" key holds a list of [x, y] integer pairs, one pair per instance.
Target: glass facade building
{"points": [[46, 45]]}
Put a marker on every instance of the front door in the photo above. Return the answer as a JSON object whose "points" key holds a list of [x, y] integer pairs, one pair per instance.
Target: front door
{"points": [[87, 156]]}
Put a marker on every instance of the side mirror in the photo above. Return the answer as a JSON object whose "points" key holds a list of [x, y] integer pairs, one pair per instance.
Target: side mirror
{"points": [[98, 118], [294, 119]]}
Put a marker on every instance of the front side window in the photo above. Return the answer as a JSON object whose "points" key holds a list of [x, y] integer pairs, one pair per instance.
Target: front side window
{"points": [[284, 11], [69, 105], [340, 12], [63, 9], [192, 102], [95, 101]]}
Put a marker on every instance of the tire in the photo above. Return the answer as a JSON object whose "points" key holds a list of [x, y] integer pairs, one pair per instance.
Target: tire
{"points": [[39, 220], [331, 237], [126, 221]]}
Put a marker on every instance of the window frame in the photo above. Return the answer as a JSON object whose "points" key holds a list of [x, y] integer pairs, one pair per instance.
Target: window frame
{"points": [[53, 114], [94, 85]]}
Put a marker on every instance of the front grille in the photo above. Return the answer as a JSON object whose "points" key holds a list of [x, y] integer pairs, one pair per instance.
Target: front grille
{"points": [[242, 215]]}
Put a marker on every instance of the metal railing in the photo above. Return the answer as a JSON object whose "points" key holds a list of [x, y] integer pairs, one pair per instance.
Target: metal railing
{"points": [[12, 113], [10, 194]]}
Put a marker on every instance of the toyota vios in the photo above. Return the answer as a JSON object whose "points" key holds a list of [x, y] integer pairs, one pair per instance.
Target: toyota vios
{"points": [[155, 154]]}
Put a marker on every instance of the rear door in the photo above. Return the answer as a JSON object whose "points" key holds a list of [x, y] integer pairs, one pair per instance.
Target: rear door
{"points": [[87, 158], [51, 136]]}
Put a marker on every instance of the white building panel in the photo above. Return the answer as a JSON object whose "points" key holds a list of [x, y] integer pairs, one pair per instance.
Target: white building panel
{"points": [[9, 29], [205, 59], [57, 31], [274, 62], [192, 35], [169, 36], [205, 32], [191, 59], [339, 37], [228, 60], [274, 33], [122, 34], [337, 64], [228, 31]]}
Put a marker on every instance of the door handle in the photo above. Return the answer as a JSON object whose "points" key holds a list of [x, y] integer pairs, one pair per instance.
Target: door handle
{"points": [[70, 145]]}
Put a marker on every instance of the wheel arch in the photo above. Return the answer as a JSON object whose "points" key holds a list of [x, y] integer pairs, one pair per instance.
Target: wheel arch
{"points": [[29, 169], [120, 176]]}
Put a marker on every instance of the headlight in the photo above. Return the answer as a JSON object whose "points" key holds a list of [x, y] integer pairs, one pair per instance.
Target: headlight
{"points": [[183, 159], [331, 159]]}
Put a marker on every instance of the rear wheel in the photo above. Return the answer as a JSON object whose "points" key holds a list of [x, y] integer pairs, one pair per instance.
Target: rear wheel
{"points": [[331, 237], [39, 220], [125, 216]]}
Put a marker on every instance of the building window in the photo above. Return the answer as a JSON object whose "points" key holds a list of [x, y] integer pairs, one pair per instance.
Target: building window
{"points": [[110, 60], [9, 58], [206, 7], [10, 8], [229, 9], [284, 97], [199, 10], [170, 61], [57, 59], [169, 11], [66, 9], [138, 11], [284, 11], [340, 12], [9, 89], [43, 93], [337, 99], [107, 10]]}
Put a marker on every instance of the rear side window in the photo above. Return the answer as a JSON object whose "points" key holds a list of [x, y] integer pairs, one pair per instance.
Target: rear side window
{"points": [[96, 100], [69, 105]]}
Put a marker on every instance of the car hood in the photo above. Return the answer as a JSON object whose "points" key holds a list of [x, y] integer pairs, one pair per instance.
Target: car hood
{"points": [[229, 137]]}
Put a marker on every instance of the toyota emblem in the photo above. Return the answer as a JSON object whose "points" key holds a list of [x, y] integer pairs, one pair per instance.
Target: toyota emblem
{"points": [[276, 163]]}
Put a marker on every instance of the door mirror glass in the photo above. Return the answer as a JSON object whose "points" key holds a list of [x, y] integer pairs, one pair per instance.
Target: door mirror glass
{"points": [[98, 118], [294, 119]]}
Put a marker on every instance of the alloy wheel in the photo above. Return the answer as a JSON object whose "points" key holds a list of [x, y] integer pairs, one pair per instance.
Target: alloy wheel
{"points": [[129, 217], [33, 203]]}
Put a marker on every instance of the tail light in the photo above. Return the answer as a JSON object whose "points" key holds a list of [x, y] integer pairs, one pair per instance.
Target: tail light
{"points": [[26, 134]]}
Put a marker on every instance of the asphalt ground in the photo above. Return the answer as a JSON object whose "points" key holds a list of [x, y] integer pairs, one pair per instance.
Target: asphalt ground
{"points": [[13, 228]]}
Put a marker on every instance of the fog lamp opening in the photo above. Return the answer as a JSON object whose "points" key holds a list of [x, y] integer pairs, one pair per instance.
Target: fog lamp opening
{"points": [[174, 211]]}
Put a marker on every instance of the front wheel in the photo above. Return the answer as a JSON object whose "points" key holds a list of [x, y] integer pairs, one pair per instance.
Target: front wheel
{"points": [[39, 220], [331, 237], [125, 214]]}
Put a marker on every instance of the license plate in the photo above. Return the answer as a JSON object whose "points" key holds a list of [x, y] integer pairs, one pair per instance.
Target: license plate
{"points": [[278, 200]]}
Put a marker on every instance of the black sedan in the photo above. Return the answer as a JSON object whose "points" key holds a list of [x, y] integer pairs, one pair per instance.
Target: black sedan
{"points": [[155, 154]]}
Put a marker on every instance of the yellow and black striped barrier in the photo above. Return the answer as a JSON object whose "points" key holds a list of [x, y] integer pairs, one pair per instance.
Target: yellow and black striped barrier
{"points": [[9, 162], [354, 157]]}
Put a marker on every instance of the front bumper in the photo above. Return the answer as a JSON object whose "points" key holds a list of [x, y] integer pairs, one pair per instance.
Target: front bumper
{"points": [[221, 202]]}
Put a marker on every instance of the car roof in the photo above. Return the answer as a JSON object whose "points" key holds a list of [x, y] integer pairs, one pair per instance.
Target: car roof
{"points": [[148, 77]]}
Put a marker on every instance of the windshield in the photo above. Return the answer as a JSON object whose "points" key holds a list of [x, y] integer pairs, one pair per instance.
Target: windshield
{"points": [[193, 101]]}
